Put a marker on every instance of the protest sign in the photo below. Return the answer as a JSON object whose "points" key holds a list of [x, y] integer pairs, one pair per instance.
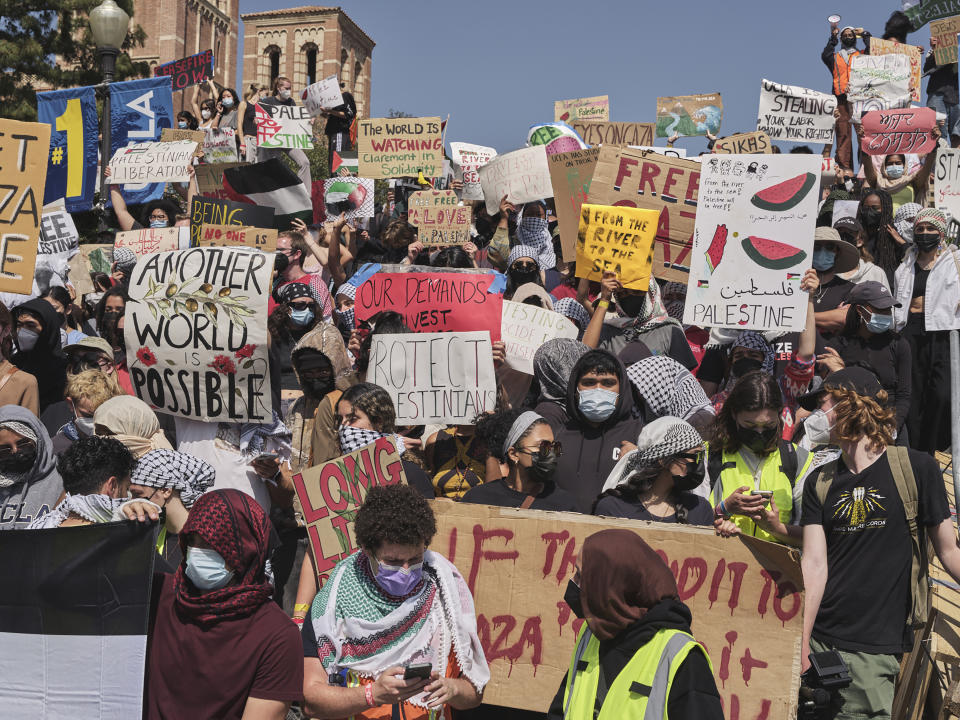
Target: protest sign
{"points": [[435, 377], [74, 134], [284, 126], [196, 333], [878, 83], [187, 71], [613, 133], [844, 209], [743, 144], [439, 217], [556, 137], [349, 195], [677, 152], [149, 240], [906, 131], [740, 277], [331, 493], [892, 47], [746, 597], [616, 239], [219, 146], [689, 114], [591, 108], [174, 134], [23, 157], [433, 301], [210, 179], [525, 328], [522, 175], [212, 211], [570, 176], [469, 159], [58, 235], [944, 32], [634, 178], [152, 162], [322, 95], [923, 12], [399, 147], [239, 236], [795, 114], [946, 181]]}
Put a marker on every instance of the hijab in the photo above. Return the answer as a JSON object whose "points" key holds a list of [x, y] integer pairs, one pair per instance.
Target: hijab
{"points": [[667, 387], [25, 423], [552, 364], [752, 340], [132, 422], [45, 361]]}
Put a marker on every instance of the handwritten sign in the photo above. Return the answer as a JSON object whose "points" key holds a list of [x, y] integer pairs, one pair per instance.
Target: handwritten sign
{"points": [[946, 181], [196, 333], [148, 240], [923, 12], [745, 596], [210, 179], [219, 146], [522, 175], [689, 114], [914, 53], [58, 235], [239, 236], [634, 178], [213, 211], [616, 239], [23, 156], [591, 108], [433, 301], [187, 71], [945, 33], [613, 133], [400, 147], [174, 134], [322, 95], [284, 126], [907, 131], [878, 83], [743, 144], [348, 195], [152, 162], [435, 377], [526, 327], [556, 137], [753, 242], [795, 114], [469, 159], [570, 176], [439, 217]]}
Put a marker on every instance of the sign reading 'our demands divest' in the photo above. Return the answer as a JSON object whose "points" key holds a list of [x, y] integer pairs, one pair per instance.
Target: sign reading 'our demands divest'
{"points": [[196, 333], [795, 114], [400, 147]]}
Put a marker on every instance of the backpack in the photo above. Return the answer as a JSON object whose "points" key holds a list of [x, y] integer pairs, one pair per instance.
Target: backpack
{"points": [[906, 482], [789, 463]]}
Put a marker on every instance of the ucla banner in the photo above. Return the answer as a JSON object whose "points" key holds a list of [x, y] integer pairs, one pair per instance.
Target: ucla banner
{"points": [[72, 165], [139, 110]]}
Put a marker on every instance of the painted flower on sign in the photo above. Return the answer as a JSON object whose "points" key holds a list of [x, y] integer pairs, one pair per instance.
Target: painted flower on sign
{"points": [[223, 364], [146, 356], [245, 352]]}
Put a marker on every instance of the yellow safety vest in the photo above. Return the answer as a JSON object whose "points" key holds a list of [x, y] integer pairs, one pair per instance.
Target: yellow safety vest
{"points": [[735, 472], [640, 691]]}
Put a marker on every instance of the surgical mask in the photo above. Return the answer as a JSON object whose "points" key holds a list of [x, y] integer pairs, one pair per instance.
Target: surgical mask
{"points": [[756, 440], [396, 580], [632, 305], [745, 365], [895, 171], [158, 223], [926, 241], [818, 428], [205, 114], [879, 323], [27, 339], [871, 217], [207, 569], [84, 425], [824, 259], [544, 465], [301, 317], [284, 94], [692, 479], [182, 124], [597, 404], [572, 598], [19, 462], [227, 102]]}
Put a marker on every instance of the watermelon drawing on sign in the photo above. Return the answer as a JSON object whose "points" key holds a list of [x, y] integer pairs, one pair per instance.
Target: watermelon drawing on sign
{"points": [[771, 254], [714, 253], [343, 196], [785, 195]]}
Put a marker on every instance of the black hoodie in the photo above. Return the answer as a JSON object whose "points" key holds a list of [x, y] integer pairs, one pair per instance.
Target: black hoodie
{"points": [[46, 361], [590, 451]]}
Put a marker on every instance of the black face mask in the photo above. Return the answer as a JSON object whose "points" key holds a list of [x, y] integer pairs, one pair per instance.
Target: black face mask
{"points": [[926, 240], [318, 387], [756, 440], [522, 277], [692, 479], [632, 305], [572, 598], [848, 42], [744, 365], [18, 462], [544, 465], [871, 217]]}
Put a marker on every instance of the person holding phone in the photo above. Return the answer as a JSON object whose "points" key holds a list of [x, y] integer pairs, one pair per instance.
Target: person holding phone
{"points": [[393, 587]]}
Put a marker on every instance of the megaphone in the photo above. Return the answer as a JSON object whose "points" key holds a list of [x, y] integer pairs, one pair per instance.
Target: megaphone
{"points": [[834, 21]]}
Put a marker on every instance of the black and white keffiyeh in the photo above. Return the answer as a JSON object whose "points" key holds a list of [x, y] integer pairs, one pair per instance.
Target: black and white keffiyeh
{"points": [[187, 474], [570, 308], [663, 438], [92, 508], [352, 438], [12, 478], [124, 258], [667, 387], [291, 291], [534, 232]]}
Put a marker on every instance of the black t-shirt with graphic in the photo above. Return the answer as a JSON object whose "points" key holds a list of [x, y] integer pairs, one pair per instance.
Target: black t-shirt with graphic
{"points": [[867, 597]]}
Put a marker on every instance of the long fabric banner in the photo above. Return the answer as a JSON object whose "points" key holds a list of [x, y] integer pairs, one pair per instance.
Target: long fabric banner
{"points": [[795, 114], [187, 71], [74, 134], [923, 12]]}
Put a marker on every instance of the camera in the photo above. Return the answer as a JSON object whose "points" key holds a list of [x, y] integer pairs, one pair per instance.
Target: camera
{"points": [[828, 673]]}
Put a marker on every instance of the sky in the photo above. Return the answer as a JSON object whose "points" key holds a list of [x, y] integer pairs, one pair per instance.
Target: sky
{"points": [[497, 67]]}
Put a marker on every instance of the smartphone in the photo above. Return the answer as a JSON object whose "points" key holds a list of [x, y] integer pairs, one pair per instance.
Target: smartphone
{"points": [[765, 494], [416, 671]]}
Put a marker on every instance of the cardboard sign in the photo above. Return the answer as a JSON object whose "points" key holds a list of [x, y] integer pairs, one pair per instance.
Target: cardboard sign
{"points": [[920, 13], [332, 492], [284, 126], [591, 108], [634, 178], [689, 114], [219, 146], [795, 114], [892, 47], [439, 217], [322, 95], [556, 137], [196, 333], [744, 144], [435, 377], [616, 239], [188, 71], [152, 162], [522, 175], [212, 211], [23, 156], [614, 133], [525, 328], [946, 181], [753, 242], [907, 131], [677, 152], [210, 179], [469, 159], [433, 301], [400, 147], [348, 195], [58, 235], [945, 33], [149, 240], [878, 83], [570, 176], [239, 236], [745, 595], [174, 134]]}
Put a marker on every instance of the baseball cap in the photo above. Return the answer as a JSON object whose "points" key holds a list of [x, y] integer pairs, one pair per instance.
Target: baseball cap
{"points": [[861, 381], [872, 293], [90, 343], [847, 225]]}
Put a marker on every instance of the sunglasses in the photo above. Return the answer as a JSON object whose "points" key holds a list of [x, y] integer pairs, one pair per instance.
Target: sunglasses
{"points": [[544, 447], [7, 450], [524, 266], [301, 305], [89, 361]]}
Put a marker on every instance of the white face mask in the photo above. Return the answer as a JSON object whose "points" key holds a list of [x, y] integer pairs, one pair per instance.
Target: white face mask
{"points": [[284, 94], [205, 114], [818, 427], [84, 425]]}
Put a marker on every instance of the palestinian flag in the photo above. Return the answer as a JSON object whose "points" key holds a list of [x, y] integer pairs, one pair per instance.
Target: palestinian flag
{"points": [[74, 611], [345, 160], [270, 184]]}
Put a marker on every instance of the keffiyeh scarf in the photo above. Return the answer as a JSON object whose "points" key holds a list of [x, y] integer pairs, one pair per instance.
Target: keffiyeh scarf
{"points": [[12, 478], [668, 387], [570, 308], [352, 438], [171, 469], [752, 340], [92, 508], [535, 232], [552, 364], [254, 436], [653, 315]]}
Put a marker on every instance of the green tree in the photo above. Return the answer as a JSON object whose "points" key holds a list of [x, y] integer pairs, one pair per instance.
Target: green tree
{"points": [[50, 44]]}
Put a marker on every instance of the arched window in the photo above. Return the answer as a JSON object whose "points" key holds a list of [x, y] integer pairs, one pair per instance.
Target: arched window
{"points": [[310, 62], [357, 77], [274, 56]]}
